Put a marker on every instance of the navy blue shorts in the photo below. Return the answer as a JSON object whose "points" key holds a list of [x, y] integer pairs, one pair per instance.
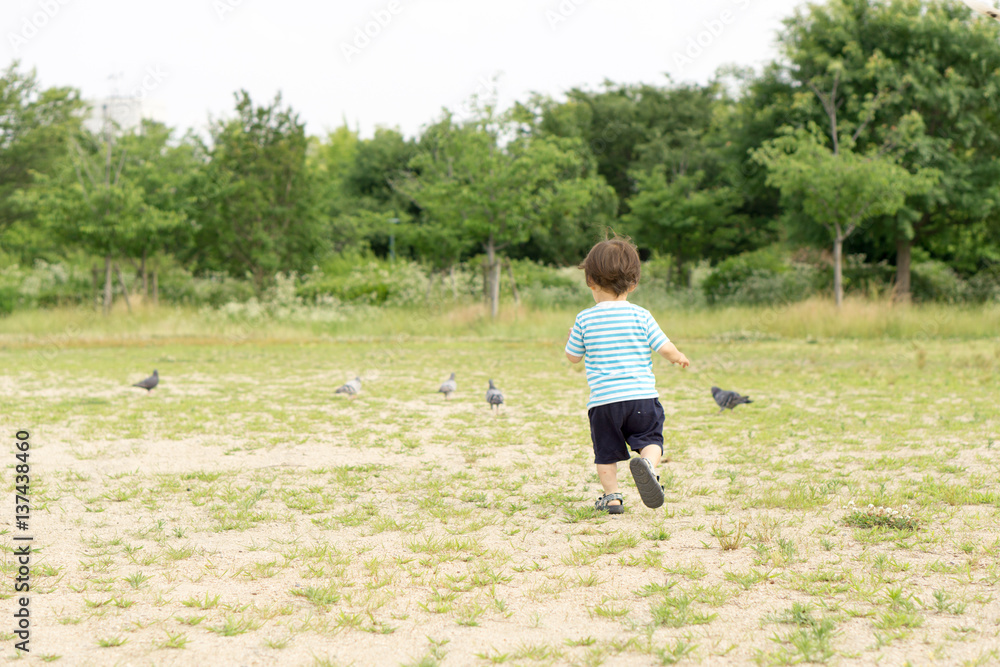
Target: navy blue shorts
{"points": [[615, 427]]}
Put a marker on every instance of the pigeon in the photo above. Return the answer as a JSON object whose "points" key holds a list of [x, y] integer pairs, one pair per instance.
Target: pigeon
{"points": [[351, 388], [494, 397], [986, 8], [448, 386], [728, 399], [149, 383]]}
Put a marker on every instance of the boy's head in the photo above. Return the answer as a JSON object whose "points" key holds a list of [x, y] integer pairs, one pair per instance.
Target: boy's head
{"points": [[613, 265]]}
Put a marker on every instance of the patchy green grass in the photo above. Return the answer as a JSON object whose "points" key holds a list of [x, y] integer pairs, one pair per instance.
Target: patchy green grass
{"points": [[244, 503]]}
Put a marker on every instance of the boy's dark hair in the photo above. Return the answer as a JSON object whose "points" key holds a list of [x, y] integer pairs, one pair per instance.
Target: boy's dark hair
{"points": [[613, 265]]}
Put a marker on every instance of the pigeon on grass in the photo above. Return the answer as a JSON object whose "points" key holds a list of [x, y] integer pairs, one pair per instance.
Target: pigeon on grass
{"points": [[494, 397], [351, 388], [728, 399], [149, 383], [448, 387]]}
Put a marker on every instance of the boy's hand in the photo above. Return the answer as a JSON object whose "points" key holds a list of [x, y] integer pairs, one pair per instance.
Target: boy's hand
{"points": [[681, 361]]}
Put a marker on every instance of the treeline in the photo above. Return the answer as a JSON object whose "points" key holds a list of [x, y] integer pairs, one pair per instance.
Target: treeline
{"points": [[875, 136]]}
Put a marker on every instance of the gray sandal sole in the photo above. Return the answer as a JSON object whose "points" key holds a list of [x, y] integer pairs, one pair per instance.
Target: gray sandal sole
{"points": [[646, 482]]}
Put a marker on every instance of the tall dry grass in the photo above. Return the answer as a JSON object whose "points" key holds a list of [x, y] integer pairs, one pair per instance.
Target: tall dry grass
{"points": [[815, 318]]}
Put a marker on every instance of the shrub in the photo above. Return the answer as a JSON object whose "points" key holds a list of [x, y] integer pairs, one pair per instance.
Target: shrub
{"points": [[762, 276], [371, 282], [933, 280], [984, 287]]}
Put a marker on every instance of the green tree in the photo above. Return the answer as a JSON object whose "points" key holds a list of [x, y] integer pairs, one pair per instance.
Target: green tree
{"points": [[90, 202], [925, 65], [36, 128], [838, 190], [683, 218], [259, 203], [165, 172], [488, 185]]}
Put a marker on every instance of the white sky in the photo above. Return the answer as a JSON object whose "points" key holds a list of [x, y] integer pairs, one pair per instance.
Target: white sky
{"points": [[431, 54]]}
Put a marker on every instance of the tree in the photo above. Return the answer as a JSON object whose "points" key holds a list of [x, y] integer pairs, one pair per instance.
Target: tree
{"points": [[165, 173], [36, 128], [259, 202], [920, 62], [683, 218], [90, 203], [838, 189], [487, 185]]}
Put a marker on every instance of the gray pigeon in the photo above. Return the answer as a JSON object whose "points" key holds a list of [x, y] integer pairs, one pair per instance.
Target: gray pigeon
{"points": [[351, 388], [448, 386], [149, 383], [728, 399], [494, 397]]}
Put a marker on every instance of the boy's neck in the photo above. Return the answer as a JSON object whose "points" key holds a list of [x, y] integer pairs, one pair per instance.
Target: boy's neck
{"points": [[601, 296]]}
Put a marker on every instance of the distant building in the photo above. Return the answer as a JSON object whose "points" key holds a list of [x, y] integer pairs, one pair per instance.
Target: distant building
{"points": [[125, 113]]}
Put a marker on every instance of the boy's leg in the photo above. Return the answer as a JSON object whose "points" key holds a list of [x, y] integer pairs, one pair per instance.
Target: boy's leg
{"points": [[607, 474], [653, 453]]}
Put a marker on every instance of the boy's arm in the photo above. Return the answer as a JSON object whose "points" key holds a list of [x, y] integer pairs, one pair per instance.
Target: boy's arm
{"points": [[573, 358], [670, 352]]}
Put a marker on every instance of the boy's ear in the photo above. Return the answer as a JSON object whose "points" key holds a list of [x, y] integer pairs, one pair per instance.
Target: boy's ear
{"points": [[631, 288]]}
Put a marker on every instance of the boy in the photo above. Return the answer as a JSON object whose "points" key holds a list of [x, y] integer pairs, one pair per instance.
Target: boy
{"points": [[615, 338]]}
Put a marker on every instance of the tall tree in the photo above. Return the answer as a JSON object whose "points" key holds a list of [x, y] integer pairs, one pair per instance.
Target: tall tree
{"points": [[259, 211], [678, 215], [491, 185], [36, 128], [837, 189], [903, 59]]}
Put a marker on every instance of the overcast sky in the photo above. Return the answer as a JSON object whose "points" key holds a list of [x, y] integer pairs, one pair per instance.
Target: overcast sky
{"points": [[187, 57]]}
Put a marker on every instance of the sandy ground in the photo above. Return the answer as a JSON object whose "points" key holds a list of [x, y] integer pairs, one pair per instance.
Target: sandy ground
{"points": [[407, 530]]}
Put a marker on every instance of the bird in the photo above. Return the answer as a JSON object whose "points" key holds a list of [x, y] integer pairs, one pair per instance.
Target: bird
{"points": [[351, 388], [494, 397], [149, 383], [448, 386], [982, 7], [728, 399]]}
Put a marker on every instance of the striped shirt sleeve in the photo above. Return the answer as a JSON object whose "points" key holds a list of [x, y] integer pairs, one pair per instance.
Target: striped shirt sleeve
{"points": [[574, 345], [654, 335]]}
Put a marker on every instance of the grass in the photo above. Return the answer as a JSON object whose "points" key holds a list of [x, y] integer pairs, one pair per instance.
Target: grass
{"points": [[244, 500]]}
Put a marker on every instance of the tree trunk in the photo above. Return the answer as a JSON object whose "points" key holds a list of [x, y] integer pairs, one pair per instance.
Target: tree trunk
{"points": [[121, 280], [904, 246], [495, 287], [513, 283], [145, 276], [107, 284], [95, 272], [156, 290], [838, 271], [493, 274]]}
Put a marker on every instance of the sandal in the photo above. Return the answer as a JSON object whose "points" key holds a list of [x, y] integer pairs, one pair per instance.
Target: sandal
{"points": [[602, 504], [647, 482]]}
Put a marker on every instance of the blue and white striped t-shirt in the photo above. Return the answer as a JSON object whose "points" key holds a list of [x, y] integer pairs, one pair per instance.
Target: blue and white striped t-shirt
{"points": [[615, 338]]}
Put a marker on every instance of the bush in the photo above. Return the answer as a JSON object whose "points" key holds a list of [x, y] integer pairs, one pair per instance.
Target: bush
{"points": [[372, 282], [936, 281], [215, 289], [42, 285], [984, 287], [767, 275]]}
